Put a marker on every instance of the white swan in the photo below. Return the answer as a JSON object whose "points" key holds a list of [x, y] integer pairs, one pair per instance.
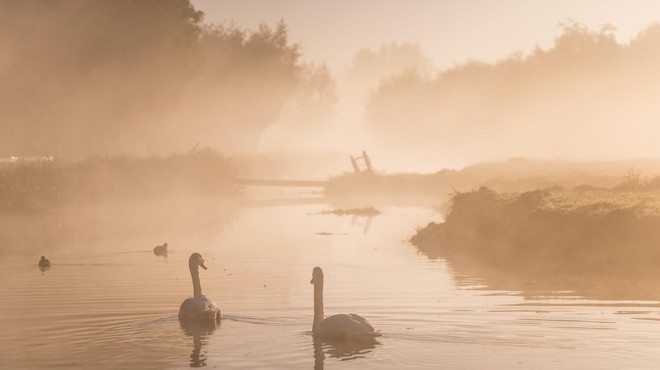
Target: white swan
{"points": [[161, 250], [341, 326], [199, 308]]}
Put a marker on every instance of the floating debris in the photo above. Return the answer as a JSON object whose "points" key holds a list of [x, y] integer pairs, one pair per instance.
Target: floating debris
{"points": [[368, 211]]}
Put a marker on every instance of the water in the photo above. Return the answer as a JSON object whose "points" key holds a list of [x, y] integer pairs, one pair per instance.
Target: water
{"points": [[108, 302]]}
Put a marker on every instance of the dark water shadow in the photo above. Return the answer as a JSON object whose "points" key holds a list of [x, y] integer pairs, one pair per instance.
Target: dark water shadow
{"points": [[542, 276], [342, 350], [199, 332]]}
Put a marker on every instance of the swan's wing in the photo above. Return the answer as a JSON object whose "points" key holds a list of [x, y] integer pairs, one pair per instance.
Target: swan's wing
{"points": [[360, 319], [198, 309], [198, 304], [364, 324], [343, 326]]}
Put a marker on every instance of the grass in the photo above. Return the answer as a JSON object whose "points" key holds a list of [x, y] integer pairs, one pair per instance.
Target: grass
{"points": [[42, 185], [549, 236]]}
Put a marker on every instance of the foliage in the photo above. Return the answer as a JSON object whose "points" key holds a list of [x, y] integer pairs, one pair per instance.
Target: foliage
{"points": [[42, 185], [105, 77], [549, 232], [368, 66], [585, 83]]}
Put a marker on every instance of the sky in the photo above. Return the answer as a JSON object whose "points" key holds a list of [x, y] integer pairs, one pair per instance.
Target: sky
{"points": [[449, 31]]}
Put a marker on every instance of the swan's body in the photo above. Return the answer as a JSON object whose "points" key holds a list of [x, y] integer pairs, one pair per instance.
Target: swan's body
{"points": [[44, 262], [341, 326], [161, 250], [198, 308]]}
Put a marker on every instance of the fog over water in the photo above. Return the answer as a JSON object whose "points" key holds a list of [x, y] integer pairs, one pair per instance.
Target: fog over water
{"points": [[478, 184]]}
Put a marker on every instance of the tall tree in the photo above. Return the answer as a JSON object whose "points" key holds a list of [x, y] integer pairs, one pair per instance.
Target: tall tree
{"points": [[89, 68]]}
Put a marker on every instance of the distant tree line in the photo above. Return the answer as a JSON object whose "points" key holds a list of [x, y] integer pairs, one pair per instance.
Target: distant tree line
{"points": [[84, 77], [587, 88]]}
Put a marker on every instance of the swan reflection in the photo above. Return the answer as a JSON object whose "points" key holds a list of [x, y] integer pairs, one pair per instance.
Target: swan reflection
{"points": [[199, 332], [341, 349]]}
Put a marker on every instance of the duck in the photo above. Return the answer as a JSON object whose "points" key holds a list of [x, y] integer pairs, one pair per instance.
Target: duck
{"points": [[161, 250], [44, 262], [199, 308], [339, 326]]}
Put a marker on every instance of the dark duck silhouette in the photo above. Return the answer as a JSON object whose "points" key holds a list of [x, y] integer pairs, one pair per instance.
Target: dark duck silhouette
{"points": [[161, 250], [44, 262]]}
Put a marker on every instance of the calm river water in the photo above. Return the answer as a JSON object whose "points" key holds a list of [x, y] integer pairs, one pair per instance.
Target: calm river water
{"points": [[108, 302]]}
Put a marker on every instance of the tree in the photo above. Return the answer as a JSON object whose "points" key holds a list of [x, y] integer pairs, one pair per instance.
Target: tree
{"points": [[586, 83], [84, 77], [90, 68]]}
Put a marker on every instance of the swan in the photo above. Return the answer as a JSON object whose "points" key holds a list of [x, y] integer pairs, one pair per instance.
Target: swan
{"points": [[161, 250], [44, 262], [341, 326], [199, 308]]}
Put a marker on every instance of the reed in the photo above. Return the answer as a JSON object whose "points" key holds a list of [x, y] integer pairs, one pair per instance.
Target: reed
{"points": [[28, 186]]}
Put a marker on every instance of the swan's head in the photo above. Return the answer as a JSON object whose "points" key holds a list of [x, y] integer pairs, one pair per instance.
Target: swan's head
{"points": [[196, 260], [317, 276], [43, 258], [165, 246]]}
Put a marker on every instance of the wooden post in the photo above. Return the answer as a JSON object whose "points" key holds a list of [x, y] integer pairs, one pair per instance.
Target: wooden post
{"points": [[367, 162], [355, 165]]}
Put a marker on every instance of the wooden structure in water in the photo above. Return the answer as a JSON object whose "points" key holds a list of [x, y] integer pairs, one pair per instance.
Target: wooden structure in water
{"points": [[365, 160], [361, 164]]}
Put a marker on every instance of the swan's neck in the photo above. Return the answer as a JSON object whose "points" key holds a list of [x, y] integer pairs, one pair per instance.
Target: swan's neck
{"points": [[197, 287], [318, 304]]}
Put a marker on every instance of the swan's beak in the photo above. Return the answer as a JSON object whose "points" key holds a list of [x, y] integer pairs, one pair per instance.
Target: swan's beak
{"points": [[311, 281], [201, 264]]}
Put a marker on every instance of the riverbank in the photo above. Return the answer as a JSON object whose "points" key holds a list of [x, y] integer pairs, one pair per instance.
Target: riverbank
{"points": [[37, 186], [547, 237], [358, 190]]}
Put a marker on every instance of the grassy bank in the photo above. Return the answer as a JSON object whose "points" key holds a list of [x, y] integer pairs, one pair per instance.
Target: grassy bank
{"points": [[43, 185], [515, 175], [557, 240]]}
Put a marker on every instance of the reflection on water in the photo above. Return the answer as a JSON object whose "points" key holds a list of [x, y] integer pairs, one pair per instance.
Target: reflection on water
{"points": [[109, 302], [341, 349], [609, 273], [199, 334], [366, 225], [91, 225]]}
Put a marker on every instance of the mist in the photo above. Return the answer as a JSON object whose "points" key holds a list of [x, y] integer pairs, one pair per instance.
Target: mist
{"points": [[587, 97], [169, 185], [161, 80], [87, 78]]}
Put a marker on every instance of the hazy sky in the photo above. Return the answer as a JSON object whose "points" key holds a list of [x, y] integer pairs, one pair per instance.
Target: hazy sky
{"points": [[450, 31]]}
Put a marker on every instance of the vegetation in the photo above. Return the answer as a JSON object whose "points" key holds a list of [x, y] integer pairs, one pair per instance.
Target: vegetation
{"points": [[42, 185], [549, 236], [585, 83], [106, 77], [367, 212], [515, 175]]}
